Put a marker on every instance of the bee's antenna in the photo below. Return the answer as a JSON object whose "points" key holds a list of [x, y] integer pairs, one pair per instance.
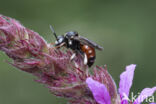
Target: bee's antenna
{"points": [[53, 31]]}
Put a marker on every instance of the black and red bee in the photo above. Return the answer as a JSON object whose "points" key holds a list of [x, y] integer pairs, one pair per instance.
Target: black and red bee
{"points": [[79, 45]]}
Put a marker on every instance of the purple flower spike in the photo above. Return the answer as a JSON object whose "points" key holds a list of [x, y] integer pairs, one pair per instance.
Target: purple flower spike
{"points": [[99, 91], [147, 92], [126, 79]]}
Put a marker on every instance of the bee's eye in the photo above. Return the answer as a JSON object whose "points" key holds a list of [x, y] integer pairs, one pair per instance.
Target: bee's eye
{"points": [[60, 40]]}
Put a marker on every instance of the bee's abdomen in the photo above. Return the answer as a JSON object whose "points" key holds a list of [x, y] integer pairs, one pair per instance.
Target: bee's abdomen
{"points": [[90, 52]]}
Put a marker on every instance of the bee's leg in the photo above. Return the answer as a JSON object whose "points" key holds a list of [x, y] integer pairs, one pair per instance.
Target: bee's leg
{"points": [[85, 59], [73, 56], [59, 46]]}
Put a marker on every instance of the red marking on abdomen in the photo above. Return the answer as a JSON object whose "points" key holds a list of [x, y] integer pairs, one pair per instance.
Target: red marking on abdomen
{"points": [[90, 52]]}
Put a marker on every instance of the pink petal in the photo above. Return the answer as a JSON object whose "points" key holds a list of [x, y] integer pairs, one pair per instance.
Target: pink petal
{"points": [[126, 79], [147, 92], [99, 91]]}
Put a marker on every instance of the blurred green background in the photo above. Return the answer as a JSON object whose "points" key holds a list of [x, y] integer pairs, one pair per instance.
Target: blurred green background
{"points": [[126, 30]]}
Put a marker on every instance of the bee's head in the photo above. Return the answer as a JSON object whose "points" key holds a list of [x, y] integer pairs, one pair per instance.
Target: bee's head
{"points": [[71, 34], [60, 40]]}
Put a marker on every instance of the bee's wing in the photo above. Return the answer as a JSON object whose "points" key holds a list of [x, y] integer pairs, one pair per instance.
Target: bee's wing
{"points": [[86, 41]]}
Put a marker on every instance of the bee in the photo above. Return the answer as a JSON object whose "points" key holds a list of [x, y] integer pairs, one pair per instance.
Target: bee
{"points": [[79, 45]]}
